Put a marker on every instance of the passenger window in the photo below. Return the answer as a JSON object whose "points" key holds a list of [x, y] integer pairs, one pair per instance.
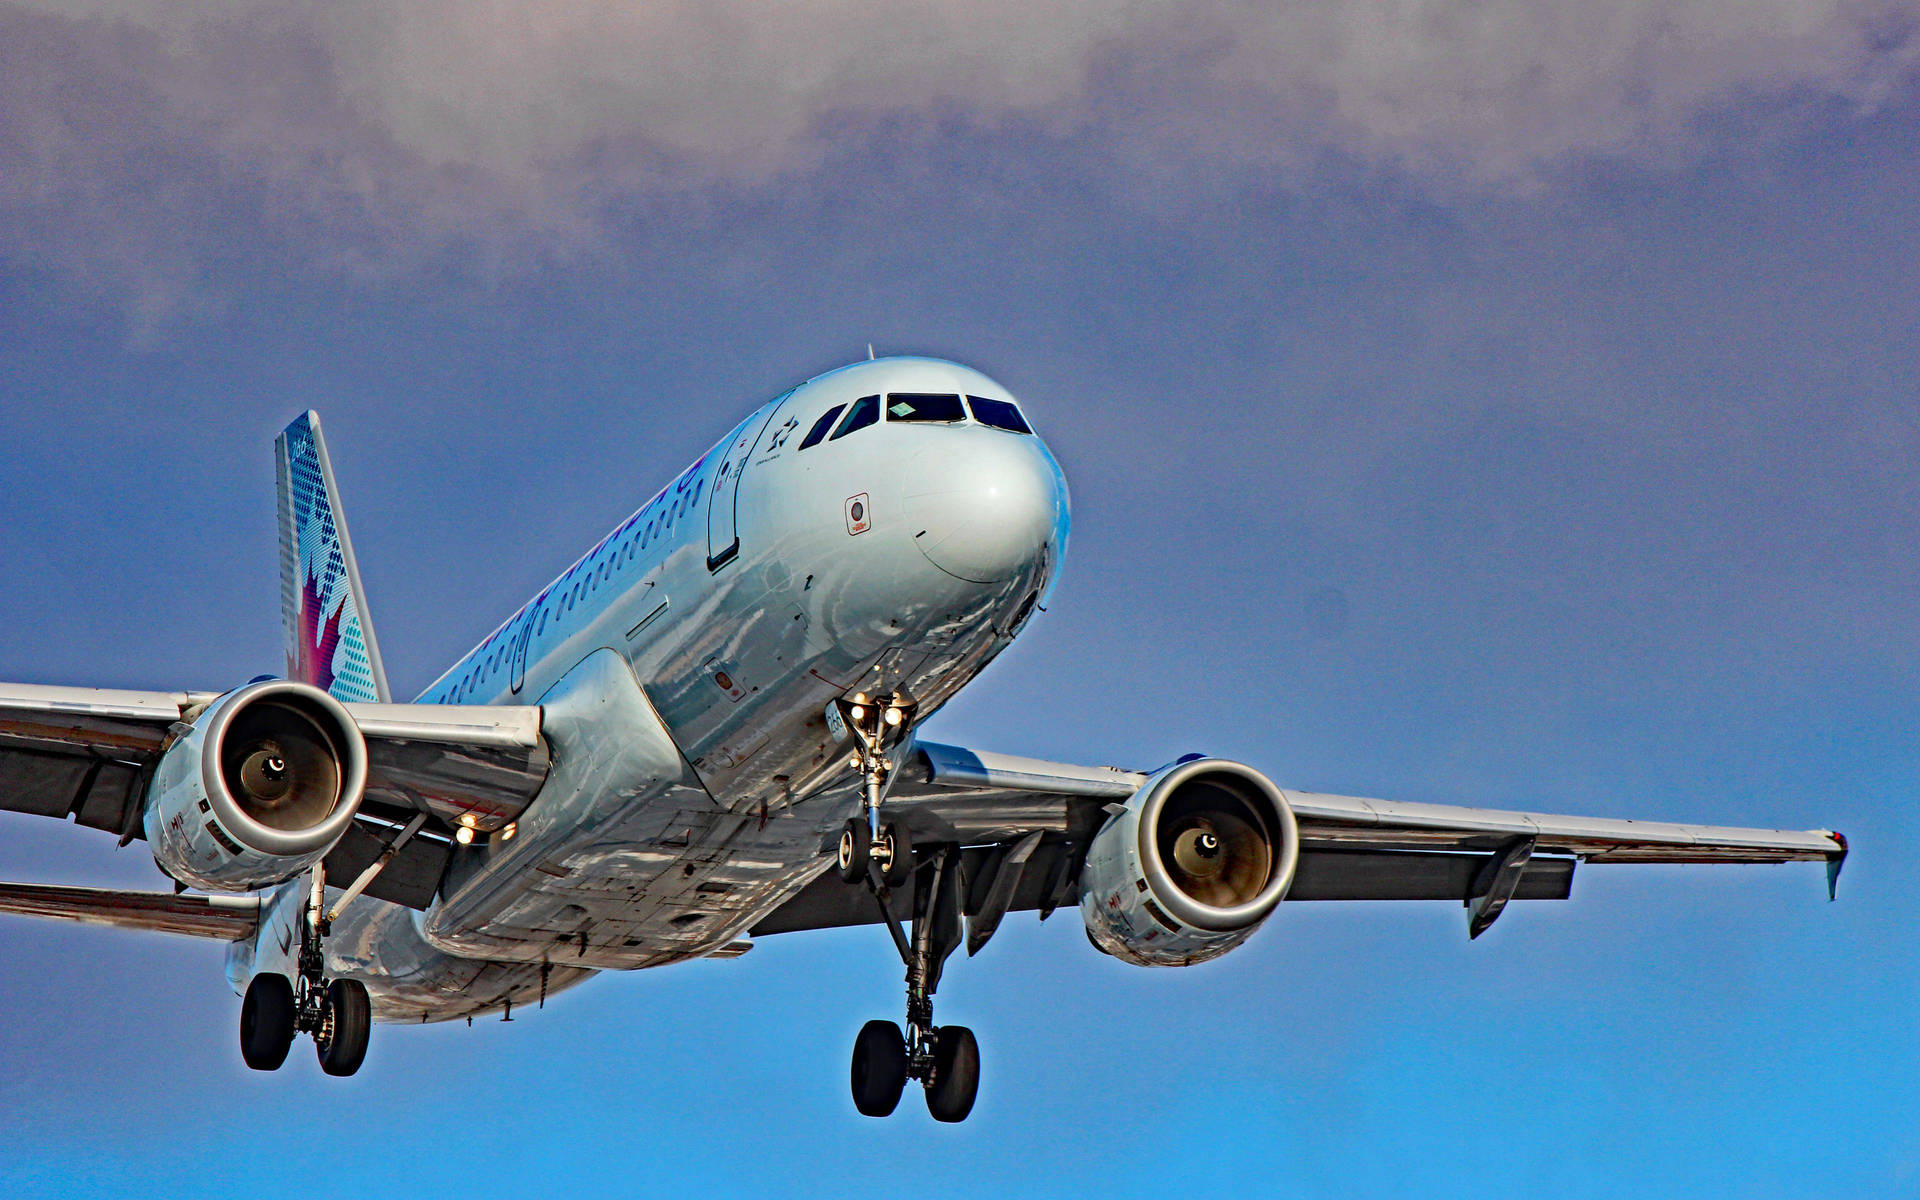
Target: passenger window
{"points": [[999, 414], [865, 411], [821, 426], [924, 406]]}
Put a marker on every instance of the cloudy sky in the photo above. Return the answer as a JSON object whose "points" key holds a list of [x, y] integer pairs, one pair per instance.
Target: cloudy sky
{"points": [[1493, 403]]}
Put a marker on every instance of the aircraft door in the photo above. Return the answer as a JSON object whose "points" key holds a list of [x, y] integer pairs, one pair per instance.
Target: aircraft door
{"points": [[522, 640], [723, 535]]}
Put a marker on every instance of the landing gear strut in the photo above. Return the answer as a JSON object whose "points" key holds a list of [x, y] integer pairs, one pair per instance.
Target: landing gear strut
{"points": [[874, 726], [944, 1059], [878, 854], [338, 1013]]}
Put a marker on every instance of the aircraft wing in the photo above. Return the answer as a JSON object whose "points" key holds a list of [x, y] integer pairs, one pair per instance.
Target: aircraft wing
{"points": [[1039, 794], [225, 918], [88, 753], [1351, 848]]}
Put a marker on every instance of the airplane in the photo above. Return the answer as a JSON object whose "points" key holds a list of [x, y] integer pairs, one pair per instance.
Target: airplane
{"points": [[706, 731]]}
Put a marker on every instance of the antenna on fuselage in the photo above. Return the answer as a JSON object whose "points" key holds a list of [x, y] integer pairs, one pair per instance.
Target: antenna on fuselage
{"points": [[869, 351]]}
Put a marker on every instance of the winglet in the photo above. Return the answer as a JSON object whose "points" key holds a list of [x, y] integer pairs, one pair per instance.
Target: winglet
{"points": [[329, 634], [1834, 863]]}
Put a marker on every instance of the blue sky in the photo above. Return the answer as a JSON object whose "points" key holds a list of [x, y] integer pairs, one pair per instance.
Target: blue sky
{"points": [[1470, 404]]}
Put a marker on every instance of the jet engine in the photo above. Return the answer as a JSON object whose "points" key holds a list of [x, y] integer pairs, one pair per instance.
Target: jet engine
{"points": [[1190, 866], [258, 789]]}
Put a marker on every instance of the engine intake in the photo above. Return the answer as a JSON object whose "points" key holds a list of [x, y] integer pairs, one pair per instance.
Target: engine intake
{"points": [[1199, 857], [262, 786]]}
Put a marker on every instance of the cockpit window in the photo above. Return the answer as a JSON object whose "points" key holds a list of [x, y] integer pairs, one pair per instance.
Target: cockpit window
{"points": [[998, 413], [924, 406], [865, 411], [821, 426]]}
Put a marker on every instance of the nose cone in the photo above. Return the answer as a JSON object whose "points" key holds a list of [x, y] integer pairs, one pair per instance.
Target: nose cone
{"points": [[986, 504]]}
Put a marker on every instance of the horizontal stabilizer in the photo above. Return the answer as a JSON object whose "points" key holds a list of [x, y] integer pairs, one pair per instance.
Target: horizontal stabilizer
{"points": [[227, 918]]}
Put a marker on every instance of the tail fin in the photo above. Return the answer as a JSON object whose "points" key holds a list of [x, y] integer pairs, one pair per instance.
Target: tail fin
{"points": [[329, 633]]}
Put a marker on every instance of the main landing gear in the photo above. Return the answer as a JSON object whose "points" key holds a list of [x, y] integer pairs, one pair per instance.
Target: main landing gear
{"points": [[338, 1013], [945, 1059]]}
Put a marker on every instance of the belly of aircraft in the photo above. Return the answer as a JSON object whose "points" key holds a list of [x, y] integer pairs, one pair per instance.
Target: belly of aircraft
{"points": [[609, 873]]}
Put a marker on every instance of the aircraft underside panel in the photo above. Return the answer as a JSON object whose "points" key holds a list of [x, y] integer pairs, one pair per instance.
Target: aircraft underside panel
{"points": [[623, 860]]}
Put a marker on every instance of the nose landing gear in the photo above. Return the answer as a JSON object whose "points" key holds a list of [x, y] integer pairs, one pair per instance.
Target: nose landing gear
{"points": [[891, 852], [338, 1013], [874, 726]]}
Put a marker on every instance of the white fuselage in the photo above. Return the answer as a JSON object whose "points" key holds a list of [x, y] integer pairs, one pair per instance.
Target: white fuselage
{"points": [[684, 665]]}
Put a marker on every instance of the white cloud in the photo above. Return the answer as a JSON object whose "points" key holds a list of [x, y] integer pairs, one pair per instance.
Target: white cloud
{"points": [[1491, 86], [462, 118]]}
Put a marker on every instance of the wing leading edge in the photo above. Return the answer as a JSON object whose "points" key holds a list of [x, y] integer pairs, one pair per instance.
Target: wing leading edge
{"points": [[970, 777]]}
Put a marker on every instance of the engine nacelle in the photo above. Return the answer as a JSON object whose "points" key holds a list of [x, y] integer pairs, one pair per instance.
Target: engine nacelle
{"points": [[259, 789], [1197, 860]]}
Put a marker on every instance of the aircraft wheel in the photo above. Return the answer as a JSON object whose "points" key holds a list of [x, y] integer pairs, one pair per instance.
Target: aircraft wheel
{"points": [[900, 846], [266, 1021], [956, 1073], [342, 1040], [879, 1068], [856, 843]]}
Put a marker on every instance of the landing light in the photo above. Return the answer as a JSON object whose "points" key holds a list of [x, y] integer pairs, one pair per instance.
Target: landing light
{"points": [[859, 713], [463, 835], [893, 716], [508, 830]]}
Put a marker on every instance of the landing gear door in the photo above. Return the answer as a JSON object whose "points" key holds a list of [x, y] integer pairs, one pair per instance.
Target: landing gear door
{"points": [[723, 536]]}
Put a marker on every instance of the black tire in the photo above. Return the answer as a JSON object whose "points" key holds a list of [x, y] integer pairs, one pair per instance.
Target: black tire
{"points": [[956, 1073], [900, 866], [879, 1068], [856, 843], [266, 1021], [349, 1021]]}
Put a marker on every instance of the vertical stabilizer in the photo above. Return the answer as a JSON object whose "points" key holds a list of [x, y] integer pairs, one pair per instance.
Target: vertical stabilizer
{"points": [[329, 633]]}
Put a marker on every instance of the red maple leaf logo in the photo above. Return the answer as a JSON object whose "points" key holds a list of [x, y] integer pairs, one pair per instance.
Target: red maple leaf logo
{"points": [[311, 660]]}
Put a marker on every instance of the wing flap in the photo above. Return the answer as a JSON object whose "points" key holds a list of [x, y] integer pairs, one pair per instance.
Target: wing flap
{"points": [[225, 918], [827, 903], [1418, 875], [82, 752]]}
